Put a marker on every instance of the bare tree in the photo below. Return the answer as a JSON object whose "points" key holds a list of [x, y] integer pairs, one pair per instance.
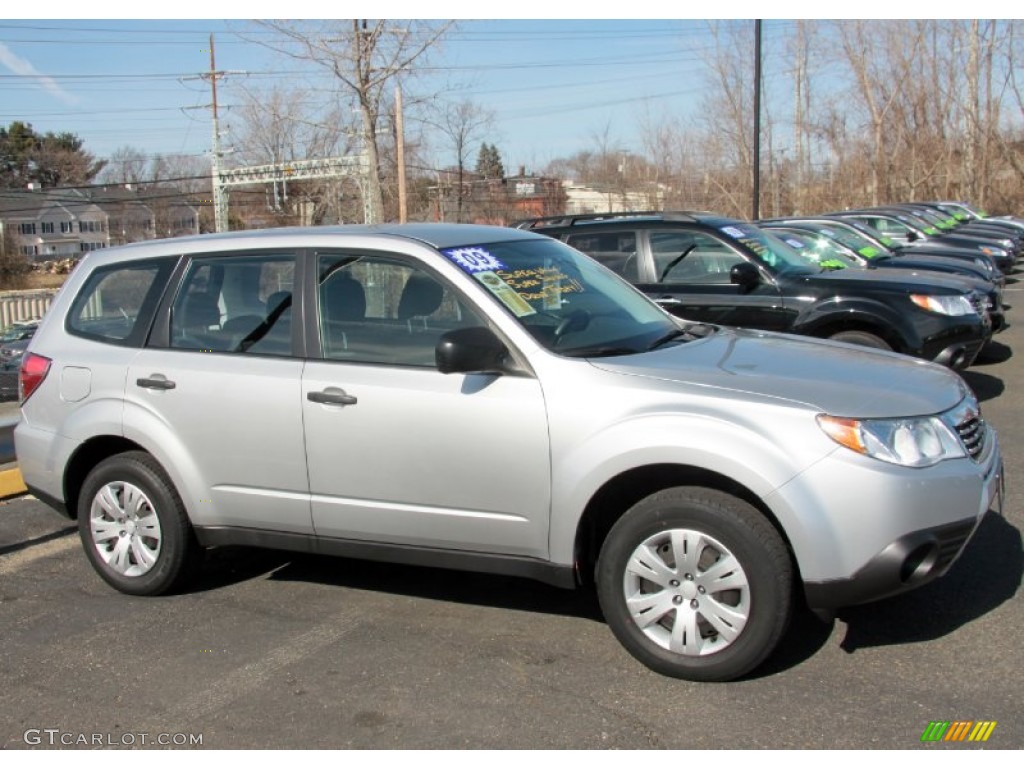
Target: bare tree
{"points": [[126, 165], [461, 125], [364, 57]]}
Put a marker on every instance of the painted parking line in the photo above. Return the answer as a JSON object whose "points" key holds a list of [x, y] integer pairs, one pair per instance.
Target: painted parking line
{"points": [[221, 693], [15, 560]]}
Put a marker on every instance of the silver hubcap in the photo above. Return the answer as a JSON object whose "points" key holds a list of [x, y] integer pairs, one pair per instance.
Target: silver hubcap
{"points": [[125, 529], [687, 592]]}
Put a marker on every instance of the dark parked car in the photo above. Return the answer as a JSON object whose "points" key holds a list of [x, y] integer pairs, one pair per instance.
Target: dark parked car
{"points": [[13, 341], [872, 247], [905, 228], [713, 269], [827, 248]]}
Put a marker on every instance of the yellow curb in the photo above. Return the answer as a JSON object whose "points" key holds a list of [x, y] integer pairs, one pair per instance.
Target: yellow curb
{"points": [[11, 483]]}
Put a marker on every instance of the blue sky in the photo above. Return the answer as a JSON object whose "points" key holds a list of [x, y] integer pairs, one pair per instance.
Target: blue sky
{"points": [[554, 86]]}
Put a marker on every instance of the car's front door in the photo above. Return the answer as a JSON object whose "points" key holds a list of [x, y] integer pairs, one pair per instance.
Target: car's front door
{"points": [[401, 453], [691, 279]]}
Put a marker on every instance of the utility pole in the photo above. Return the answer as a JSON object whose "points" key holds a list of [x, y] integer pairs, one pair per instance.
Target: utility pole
{"points": [[755, 208], [220, 194], [277, 173], [403, 209]]}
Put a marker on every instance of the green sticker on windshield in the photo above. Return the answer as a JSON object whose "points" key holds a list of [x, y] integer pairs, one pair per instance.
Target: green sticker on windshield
{"points": [[868, 252], [832, 264], [887, 241], [931, 231], [505, 294]]}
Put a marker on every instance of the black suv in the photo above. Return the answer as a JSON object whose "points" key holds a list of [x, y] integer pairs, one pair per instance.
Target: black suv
{"points": [[709, 268]]}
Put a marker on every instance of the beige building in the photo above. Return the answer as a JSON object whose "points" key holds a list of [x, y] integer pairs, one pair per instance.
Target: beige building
{"points": [[66, 223]]}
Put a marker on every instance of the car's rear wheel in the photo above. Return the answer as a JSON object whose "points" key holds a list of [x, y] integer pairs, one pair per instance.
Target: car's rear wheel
{"points": [[134, 527], [696, 584]]}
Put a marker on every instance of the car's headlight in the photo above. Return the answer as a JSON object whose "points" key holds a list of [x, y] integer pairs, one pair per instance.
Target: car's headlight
{"points": [[917, 442], [995, 253], [955, 306]]}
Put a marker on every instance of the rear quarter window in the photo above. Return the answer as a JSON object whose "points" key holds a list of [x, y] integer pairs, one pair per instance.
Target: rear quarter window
{"points": [[117, 302]]}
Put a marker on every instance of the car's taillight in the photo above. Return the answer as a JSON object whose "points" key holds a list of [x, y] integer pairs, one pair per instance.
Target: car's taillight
{"points": [[33, 370]]}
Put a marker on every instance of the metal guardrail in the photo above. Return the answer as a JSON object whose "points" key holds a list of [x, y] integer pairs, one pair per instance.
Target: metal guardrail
{"points": [[16, 306]]}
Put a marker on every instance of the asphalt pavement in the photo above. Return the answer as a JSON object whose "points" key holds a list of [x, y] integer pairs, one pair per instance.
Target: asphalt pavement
{"points": [[276, 650]]}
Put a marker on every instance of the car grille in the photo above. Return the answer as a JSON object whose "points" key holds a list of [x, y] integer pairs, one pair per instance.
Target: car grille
{"points": [[972, 433]]}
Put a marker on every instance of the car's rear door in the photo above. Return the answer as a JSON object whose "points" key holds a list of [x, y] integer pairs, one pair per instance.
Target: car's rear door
{"points": [[217, 391]]}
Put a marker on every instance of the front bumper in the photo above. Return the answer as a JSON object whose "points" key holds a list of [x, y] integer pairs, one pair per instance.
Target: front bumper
{"points": [[874, 530]]}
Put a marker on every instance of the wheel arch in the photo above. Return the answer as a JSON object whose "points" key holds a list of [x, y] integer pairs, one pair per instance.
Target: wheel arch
{"points": [[611, 501], [865, 325], [85, 458]]}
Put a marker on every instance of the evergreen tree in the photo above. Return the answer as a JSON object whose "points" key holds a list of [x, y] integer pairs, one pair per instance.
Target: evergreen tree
{"points": [[50, 159], [488, 162]]}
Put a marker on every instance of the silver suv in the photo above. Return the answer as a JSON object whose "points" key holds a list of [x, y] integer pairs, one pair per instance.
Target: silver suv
{"points": [[489, 399]]}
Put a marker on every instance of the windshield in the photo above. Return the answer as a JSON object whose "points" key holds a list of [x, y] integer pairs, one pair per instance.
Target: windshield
{"points": [[769, 250], [872, 234], [566, 300], [851, 239], [15, 333], [819, 248], [917, 223], [932, 218]]}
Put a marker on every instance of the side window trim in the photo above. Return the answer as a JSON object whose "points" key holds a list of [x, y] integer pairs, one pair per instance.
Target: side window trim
{"points": [[160, 336], [311, 289], [698, 236]]}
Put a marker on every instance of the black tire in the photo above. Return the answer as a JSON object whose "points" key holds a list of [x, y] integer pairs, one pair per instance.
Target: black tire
{"points": [[134, 527], [717, 525], [862, 338]]}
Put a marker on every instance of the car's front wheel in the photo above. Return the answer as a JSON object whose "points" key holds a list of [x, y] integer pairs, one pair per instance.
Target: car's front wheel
{"points": [[696, 584], [134, 527], [862, 339]]}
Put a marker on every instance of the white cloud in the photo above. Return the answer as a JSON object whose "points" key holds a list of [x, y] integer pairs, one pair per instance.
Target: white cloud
{"points": [[20, 66]]}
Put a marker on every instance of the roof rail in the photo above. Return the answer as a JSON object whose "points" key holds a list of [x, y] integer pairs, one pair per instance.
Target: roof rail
{"points": [[569, 220]]}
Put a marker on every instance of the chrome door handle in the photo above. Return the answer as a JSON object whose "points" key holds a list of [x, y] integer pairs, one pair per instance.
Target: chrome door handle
{"points": [[329, 397], [155, 383]]}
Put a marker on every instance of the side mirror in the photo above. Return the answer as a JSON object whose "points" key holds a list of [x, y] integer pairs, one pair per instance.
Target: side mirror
{"points": [[911, 236], [745, 275], [471, 350]]}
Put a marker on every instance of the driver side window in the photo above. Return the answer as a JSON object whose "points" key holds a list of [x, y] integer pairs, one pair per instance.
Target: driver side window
{"points": [[691, 258]]}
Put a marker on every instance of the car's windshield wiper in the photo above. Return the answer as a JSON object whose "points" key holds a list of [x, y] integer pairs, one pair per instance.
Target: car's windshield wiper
{"points": [[600, 351], [691, 332]]}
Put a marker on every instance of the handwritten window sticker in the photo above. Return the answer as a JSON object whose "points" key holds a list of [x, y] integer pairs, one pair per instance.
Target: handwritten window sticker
{"points": [[828, 232], [552, 289], [505, 294], [474, 259], [795, 243], [733, 232]]}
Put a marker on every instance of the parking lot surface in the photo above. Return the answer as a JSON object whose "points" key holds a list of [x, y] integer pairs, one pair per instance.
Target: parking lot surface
{"points": [[277, 650]]}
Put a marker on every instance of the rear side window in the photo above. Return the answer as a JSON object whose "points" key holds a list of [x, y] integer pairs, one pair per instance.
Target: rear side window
{"points": [[117, 303], [239, 304], [616, 250]]}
